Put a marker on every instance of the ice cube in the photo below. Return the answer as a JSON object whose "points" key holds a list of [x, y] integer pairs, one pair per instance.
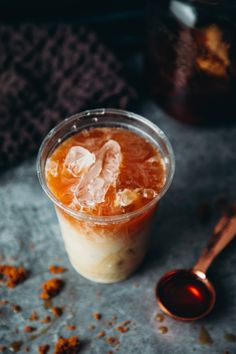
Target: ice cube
{"points": [[126, 197], [51, 167], [149, 193], [78, 159], [95, 183]]}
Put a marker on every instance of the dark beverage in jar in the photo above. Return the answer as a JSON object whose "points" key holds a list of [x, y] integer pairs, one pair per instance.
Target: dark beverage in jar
{"points": [[192, 58]]}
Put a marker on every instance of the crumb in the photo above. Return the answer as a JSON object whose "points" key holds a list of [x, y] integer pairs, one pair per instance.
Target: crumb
{"points": [[54, 269], [16, 308], [92, 327], [51, 288], [57, 311], [113, 340], [110, 352], [123, 327], [43, 348], [2, 348], [27, 349], [101, 334], [29, 329], [109, 323], [159, 317], [230, 337], [67, 345], [12, 276], [163, 330], [46, 319], [4, 302], [97, 316], [34, 316], [71, 327]]}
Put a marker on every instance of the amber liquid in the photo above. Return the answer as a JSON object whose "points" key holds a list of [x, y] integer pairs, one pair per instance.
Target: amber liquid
{"points": [[184, 295], [141, 167]]}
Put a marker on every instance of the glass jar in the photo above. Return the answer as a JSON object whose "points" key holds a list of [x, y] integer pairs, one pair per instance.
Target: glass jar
{"points": [[192, 58]]}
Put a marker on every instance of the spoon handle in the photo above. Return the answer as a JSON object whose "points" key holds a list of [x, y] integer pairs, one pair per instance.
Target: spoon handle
{"points": [[224, 232]]}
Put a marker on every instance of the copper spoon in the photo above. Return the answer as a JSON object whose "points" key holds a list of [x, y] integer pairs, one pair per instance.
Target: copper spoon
{"points": [[188, 295]]}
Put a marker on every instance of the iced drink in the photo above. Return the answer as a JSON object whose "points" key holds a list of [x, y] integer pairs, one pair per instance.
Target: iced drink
{"points": [[105, 175]]}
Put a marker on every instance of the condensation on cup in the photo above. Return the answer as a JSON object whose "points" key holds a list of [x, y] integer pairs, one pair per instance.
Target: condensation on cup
{"points": [[105, 170]]}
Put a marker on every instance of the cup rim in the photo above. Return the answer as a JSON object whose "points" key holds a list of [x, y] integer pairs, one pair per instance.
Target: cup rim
{"points": [[107, 219]]}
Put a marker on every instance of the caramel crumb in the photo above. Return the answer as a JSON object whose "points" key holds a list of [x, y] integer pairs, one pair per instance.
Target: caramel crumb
{"points": [[2, 348], [29, 329], [123, 327], [57, 311], [97, 316], [71, 327], [163, 329], [12, 276], [112, 340], [46, 319], [16, 308], [204, 336], [101, 334], [34, 316], [55, 269], [159, 317], [4, 302], [43, 349], [67, 345], [51, 288], [16, 346], [109, 323], [230, 337]]}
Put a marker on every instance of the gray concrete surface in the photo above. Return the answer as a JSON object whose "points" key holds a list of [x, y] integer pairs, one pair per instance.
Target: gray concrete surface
{"points": [[29, 235]]}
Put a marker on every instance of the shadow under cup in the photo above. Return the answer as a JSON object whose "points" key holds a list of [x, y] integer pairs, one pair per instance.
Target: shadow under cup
{"points": [[106, 249]]}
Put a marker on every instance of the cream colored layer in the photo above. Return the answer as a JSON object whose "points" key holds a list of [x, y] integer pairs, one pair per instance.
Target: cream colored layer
{"points": [[100, 255]]}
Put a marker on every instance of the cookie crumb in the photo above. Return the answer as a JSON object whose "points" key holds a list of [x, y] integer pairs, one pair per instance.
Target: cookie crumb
{"points": [[71, 327], [57, 311], [4, 302], [2, 348], [12, 275], [159, 317], [29, 329], [43, 348], [123, 326], [112, 340], [163, 329], [46, 319], [97, 316], [51, 288], [101, 334], [16, 308], [67, 345], [55, 269], [34, 316]]}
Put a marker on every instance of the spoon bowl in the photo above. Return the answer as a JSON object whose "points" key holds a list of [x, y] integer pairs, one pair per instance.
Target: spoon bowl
{"points": [[185, 295]]}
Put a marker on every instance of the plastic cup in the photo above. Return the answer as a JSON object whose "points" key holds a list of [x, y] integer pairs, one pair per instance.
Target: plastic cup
{"points": [[106, 249]]}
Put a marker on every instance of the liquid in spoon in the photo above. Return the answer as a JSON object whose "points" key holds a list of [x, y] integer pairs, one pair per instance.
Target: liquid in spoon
{"points": [[183, 294]]}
